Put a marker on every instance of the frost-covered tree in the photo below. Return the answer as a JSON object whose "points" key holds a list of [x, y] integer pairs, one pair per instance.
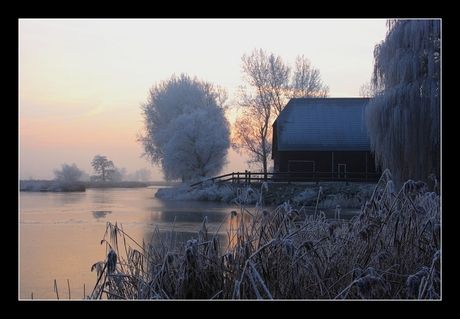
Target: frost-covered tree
{"points": [[197, 145], [68, 173], [143, 175], [185, 129], [404, 118], [116, 174], [368, 90], [306, 80], [270, 86], [102, 168]]}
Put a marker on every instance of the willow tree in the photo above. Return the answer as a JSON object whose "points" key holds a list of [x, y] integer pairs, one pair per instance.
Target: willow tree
{"points": [[270, 84], [403, 118]]}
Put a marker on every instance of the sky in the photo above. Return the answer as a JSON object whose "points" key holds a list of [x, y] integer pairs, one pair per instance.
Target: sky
{"points": [[82, 81]]}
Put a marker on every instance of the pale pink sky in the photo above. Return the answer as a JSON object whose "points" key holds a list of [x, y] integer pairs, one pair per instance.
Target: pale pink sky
{"points": [[81, 82]]}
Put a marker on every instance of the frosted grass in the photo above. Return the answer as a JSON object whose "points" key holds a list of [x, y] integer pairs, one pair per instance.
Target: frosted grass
{"points": [[391, 250]]}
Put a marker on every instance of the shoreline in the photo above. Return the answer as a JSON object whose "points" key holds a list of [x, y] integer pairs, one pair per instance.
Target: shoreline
{"points": [[329, 194], [81, 186]]}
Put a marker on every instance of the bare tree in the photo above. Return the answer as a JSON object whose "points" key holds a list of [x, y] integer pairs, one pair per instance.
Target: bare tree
{"points": [[252, 130], [269, 89], [268, 75], [404, 118], [307, 81]]}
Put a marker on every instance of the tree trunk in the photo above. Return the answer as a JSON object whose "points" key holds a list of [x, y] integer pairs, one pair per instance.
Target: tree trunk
{"points": [[264, 159], [265, 167]]}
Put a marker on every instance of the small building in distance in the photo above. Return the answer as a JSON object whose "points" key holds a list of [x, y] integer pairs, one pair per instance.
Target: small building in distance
{"points": [[323, 135]]}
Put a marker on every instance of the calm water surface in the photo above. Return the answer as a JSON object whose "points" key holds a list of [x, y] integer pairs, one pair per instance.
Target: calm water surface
{"points": [[60, 233]]}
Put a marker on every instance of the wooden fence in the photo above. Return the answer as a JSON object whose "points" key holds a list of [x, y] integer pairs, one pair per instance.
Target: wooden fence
{"points": [[248, 177]]}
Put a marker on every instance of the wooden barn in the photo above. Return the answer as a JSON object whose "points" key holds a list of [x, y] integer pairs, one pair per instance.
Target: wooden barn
{"points": [[323, 135]]}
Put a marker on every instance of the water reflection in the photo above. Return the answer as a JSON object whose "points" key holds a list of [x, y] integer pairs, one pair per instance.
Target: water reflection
{"points": [[100, 213], [54, 226], [176, 223], [183, 216], [72, 198]]}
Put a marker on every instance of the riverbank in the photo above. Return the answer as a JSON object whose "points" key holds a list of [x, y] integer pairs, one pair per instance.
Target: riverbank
{"points": [[391, 251], [329, 194], [325, 194], [81, 186]]}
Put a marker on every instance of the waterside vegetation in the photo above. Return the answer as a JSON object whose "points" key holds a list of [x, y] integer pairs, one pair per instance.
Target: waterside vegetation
{"points": [[391, 250], [79, 186], [326, 194]]}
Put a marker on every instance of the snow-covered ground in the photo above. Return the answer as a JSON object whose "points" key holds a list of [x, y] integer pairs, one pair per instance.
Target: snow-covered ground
{"points": [[302, 194]]}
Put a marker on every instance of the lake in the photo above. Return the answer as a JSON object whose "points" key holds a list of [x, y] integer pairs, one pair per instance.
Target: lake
{"points": [[60, 233]]}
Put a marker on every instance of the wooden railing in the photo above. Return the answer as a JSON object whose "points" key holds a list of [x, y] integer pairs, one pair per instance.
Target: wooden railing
{"points": [[248, 177]]}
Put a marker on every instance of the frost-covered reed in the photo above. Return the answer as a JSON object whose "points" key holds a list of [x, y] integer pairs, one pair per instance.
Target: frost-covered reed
{"points": [[391, 250]]}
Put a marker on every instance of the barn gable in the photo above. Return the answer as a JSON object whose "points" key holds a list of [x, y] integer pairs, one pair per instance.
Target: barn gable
{"points": [[322, 135]]}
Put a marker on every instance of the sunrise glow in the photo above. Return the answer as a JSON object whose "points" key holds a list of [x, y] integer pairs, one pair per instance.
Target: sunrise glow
{"points": [[81, 82]]}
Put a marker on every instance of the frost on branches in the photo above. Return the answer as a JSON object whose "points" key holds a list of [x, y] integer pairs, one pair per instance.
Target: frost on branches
{"points": [[185, 129], [403, 118]]}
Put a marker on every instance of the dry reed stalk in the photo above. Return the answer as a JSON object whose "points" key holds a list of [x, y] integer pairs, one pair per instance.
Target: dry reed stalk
{"points": [[378, 254], [320, 192], [56, 289]]}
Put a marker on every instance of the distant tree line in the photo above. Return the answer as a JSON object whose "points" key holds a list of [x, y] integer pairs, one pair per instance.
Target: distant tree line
{"points": [[104, 171]]}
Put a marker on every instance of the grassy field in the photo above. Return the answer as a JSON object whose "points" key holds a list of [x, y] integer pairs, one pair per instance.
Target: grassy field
{"points": [[391, 250]]}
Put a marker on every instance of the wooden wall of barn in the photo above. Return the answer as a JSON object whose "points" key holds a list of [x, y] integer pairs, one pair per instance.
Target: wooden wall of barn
{"points": [[324, 161]]}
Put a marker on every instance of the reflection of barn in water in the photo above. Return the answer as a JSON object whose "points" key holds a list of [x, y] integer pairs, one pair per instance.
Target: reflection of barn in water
{"points": [[322, 135]]}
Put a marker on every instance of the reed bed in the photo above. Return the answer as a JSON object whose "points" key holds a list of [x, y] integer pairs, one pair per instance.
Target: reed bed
{"points": [[391, 250]]}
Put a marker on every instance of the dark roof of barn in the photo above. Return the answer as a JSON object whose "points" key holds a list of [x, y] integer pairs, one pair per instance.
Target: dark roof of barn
{"points": [[323, 124]]}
